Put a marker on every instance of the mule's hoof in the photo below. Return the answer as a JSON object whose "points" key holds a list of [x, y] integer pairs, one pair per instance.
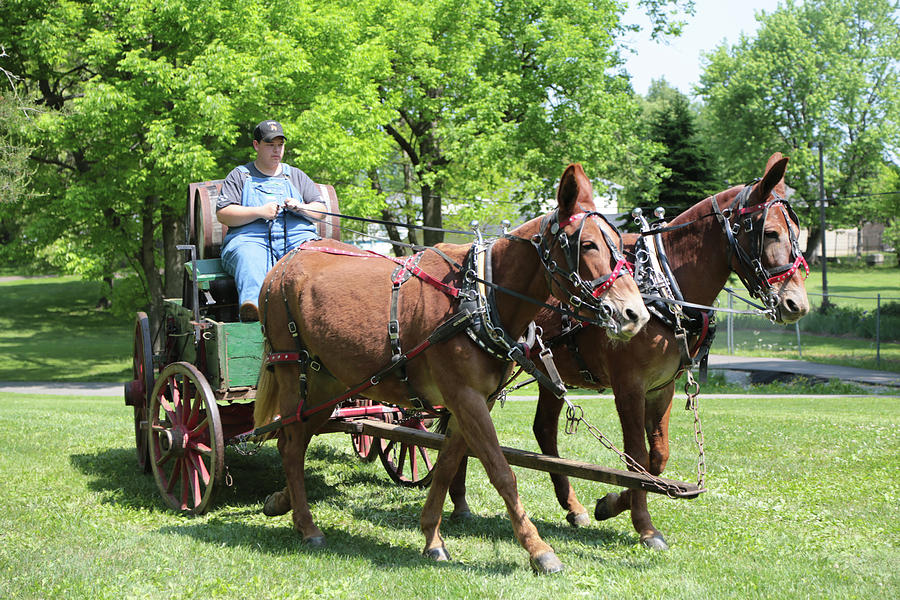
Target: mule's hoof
{"points": [[546, 563], [316, 541], [277, 504], [578, 519], [438, 554], [462, 515], [655, 542], [603, 511]]}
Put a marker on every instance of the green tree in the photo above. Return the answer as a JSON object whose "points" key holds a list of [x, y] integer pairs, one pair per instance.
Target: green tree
{"points": [[493, 98], [150, 95], [453, 98], [823, 71], [15, 170], [687, 173]]}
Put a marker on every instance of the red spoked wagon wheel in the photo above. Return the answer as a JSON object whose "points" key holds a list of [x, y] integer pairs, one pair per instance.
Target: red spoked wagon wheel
{"points": [[407, 464], [187, 448], [137, 391]]}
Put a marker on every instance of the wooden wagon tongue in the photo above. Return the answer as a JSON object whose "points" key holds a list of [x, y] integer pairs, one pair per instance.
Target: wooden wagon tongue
{"points": [[530, 460]]}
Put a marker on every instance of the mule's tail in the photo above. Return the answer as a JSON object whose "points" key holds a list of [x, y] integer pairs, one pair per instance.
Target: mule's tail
{"points": [[266, 405]]}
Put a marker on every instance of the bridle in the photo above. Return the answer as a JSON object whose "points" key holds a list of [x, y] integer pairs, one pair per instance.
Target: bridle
{"points": [[587, 292], [758, 280]]}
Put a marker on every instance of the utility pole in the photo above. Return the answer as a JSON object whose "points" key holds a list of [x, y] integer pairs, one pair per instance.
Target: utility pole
{"points": [[825, 302]]}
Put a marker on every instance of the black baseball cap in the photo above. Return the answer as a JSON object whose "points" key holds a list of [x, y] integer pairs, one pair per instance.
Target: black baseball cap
{"points": [[267, 131]]}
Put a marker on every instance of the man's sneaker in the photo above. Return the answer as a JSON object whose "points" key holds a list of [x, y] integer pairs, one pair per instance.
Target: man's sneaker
{"points": [[249, 312]]}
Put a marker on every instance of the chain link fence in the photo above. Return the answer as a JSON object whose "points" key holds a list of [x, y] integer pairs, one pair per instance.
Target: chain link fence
{"points": [[870, 334]]}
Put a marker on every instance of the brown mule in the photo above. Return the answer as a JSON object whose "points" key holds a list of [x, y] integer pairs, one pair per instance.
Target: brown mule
{"points": [[340, 304], [642, 371]]}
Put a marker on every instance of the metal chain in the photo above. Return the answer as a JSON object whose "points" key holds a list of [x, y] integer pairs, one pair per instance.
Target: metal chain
{"points": [[575, 415], [243, 446], [692, 390]]}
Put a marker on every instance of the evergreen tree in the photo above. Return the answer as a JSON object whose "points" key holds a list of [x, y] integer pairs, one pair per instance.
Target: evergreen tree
{"points": [[690, 175], [686, 171]]}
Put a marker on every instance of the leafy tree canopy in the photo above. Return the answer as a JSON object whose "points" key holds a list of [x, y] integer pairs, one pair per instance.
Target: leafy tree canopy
{"points": [[825, 71], [686, 173], [461, 98]]}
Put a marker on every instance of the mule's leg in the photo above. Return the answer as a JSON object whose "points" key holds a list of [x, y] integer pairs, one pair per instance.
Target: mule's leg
{"points": [[461, 508], [546, 428], [475, 424], [449, 459], [292, 445], [658, 409], [630, 404], [655, 413]]}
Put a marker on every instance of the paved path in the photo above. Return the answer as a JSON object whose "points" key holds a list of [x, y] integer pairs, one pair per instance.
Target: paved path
{"points": [[64, 388], [802, 367], [716, 362]]}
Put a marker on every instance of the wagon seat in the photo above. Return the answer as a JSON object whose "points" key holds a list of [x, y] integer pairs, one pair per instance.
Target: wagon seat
{"points": [[217, 295]]}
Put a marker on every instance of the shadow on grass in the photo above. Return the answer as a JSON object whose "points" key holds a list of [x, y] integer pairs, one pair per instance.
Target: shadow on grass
{"points": [[116, 475], [55, 321], [340, 544], [234, 517]]}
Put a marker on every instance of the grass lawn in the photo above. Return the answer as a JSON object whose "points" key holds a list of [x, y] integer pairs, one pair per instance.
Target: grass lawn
{"points": [[50, 330], [847, 286], [802, 503]]}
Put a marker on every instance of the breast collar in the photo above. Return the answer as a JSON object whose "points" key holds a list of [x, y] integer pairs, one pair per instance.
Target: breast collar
{"points": [[486, 329]]}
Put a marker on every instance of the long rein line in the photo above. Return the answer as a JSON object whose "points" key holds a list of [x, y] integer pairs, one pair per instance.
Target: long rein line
{"points": [[555, 308], [471, 276]]}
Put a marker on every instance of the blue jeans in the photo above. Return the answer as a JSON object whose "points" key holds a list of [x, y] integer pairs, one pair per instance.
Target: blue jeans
{"points": [[248, 257]]}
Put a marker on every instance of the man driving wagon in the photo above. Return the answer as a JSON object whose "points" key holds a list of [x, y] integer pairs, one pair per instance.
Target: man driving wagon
{"points": [[265, 204]]}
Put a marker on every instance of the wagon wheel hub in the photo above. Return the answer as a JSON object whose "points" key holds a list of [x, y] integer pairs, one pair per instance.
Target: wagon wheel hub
{"points": [[172, 442]]}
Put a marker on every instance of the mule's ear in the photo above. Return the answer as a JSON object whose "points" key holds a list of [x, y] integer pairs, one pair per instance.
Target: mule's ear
{"points": [[575, 192], [773, 180]]}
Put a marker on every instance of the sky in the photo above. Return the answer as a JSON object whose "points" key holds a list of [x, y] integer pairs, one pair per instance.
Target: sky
{"points": [[678, 60]]}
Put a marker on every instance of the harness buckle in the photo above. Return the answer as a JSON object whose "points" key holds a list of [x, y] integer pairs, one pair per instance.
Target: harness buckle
{"points": [[394, 329], [759, 270], [292, 327]]}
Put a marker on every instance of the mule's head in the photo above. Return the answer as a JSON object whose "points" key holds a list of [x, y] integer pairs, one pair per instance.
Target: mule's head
{"points": [[583, 253], [767, 252]]}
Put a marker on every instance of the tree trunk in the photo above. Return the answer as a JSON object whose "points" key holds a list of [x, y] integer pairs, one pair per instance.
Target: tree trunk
{"points": [[431, 215], [148, 265], [173, 235], [813, 245]]}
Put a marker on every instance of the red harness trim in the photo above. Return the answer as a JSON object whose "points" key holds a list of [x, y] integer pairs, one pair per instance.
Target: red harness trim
{"points": [[340, 251], [282, 357], [790, 272], [613, 276], [406, 263], [703, 333]]}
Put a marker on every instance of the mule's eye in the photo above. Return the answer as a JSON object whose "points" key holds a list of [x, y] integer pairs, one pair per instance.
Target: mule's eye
{"points": [[588, 245], [772, 235]]}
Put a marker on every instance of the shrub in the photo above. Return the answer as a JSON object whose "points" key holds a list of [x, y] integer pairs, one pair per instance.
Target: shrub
{"points": [[850, 320]]}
